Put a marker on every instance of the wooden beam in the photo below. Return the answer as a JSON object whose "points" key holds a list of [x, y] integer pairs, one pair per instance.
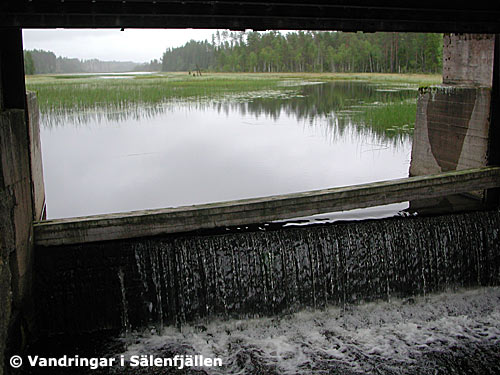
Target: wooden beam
{"points": [[383, 15], [259, 210]]}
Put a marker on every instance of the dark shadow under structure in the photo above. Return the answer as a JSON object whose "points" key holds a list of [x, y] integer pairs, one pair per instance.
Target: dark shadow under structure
{"points": [[346, 15]]}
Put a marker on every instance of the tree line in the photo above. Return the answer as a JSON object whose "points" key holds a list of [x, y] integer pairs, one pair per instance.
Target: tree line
{"points": [[273, 51], [311, 51], [46, 62]]}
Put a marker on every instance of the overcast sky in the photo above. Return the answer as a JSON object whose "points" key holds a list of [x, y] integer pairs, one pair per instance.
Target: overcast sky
{"points": [[138, 45]]}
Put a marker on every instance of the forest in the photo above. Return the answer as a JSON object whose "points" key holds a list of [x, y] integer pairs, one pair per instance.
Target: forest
{"points": [[310, 51], [273, 51], [46, 62]]}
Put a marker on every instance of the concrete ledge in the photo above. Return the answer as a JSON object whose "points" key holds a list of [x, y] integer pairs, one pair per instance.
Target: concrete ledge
{"points": [[257, 210]]}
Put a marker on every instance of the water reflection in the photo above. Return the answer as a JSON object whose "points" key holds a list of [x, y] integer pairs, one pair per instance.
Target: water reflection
{"points": [[341, 104], [137, 156]]}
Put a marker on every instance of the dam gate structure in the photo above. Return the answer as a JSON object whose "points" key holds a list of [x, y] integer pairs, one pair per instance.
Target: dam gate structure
{"points": [[120, 271]]}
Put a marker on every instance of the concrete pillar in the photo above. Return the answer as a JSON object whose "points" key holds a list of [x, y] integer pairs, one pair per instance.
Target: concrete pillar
{"points": [[35, 149], [453, 119], [468, 59], [451, 129], [20, 163]]}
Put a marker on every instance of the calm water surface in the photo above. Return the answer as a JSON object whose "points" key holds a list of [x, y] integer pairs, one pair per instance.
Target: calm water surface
{"points": [[190, 152]]}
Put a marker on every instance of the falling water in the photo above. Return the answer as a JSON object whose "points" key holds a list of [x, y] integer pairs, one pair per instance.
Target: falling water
{"points": [[125, 320], [414, 295], [265, 273]]}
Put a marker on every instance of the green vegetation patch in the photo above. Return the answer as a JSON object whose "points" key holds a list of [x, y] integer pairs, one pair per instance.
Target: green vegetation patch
{"points": [[79, 93], [390, 118]]}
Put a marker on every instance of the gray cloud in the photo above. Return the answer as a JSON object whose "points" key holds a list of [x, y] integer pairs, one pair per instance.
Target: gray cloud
{"points": [[137, 45]]}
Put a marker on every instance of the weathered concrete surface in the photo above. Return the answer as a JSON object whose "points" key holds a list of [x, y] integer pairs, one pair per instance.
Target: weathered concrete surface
{"points": [[38, 186], [16, 242], [468, 59], [451, 129], [21, 178], [6, 241], [258, 210], [453, 120]]}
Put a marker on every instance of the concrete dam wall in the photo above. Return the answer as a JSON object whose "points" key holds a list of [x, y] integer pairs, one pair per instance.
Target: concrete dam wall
{"points": [[451, 129], [452, 126], [157, 281], [22, 200]]}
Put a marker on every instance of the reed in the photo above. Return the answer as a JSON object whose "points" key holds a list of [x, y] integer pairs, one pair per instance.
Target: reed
{"points": [[81, 92]]}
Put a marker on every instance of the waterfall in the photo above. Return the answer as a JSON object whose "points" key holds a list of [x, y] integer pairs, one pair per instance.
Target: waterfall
{"points": [[268, 272], [173, 280]]}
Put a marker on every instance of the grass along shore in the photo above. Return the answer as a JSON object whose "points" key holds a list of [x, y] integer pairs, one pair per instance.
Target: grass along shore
{"points": [[80, 92]]}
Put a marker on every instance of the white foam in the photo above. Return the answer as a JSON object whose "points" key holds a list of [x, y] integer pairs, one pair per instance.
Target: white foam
{"points": [[396, 334]]}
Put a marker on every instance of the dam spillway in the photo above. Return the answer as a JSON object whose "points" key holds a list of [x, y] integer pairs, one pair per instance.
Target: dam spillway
{"points": [[172, 280]]}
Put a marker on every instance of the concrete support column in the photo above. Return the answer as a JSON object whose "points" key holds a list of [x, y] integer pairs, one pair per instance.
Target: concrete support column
{"points": [[468, 59], [16, 203], [452, 128]]}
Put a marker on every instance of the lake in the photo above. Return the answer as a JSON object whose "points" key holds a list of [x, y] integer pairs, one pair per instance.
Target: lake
{"points": [[298, 136]]}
